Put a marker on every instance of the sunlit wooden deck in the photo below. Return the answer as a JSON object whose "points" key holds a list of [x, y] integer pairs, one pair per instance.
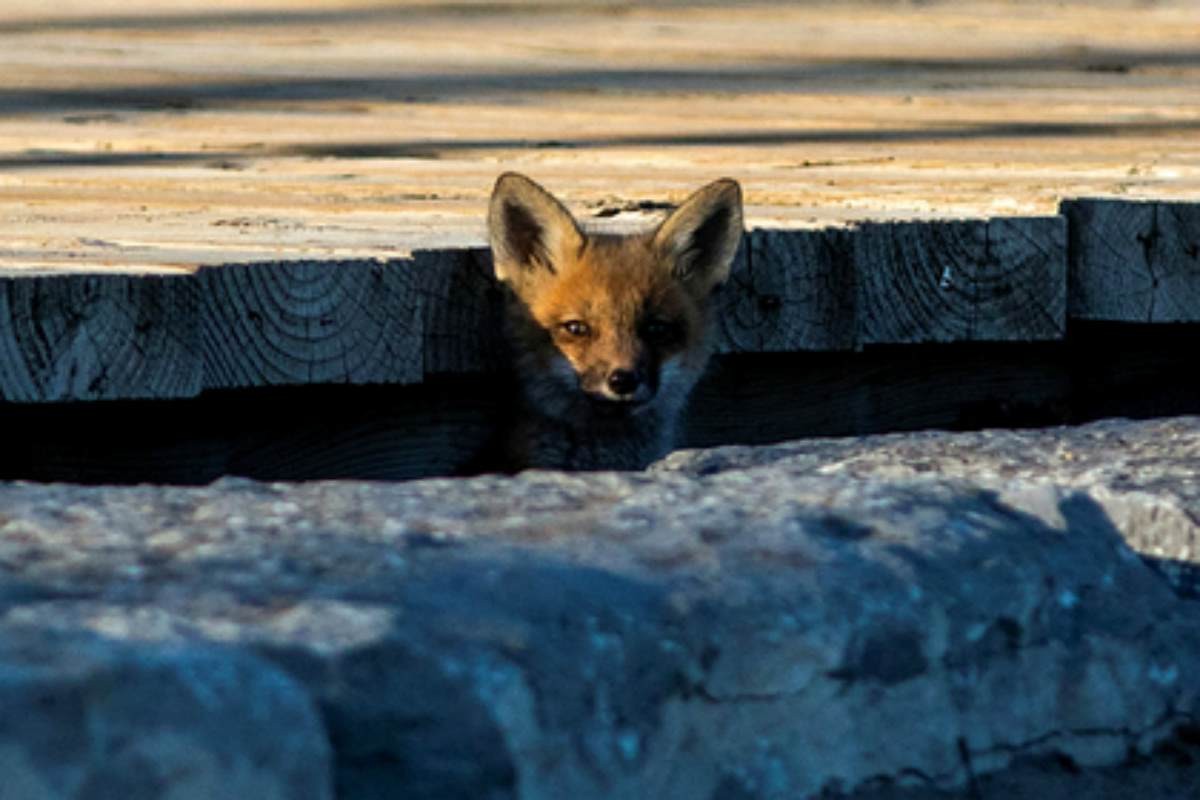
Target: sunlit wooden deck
{"points": [[229, 195]]}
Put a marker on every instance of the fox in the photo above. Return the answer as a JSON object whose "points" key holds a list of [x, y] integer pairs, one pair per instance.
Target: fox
{"points": [[607, 333]]}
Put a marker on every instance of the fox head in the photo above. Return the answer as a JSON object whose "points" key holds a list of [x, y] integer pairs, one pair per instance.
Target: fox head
{"points": [[603, 323]]}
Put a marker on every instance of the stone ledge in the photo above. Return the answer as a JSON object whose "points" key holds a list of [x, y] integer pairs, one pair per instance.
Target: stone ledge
{"points": [[1141, 474], [752, 631], [90, 716]]}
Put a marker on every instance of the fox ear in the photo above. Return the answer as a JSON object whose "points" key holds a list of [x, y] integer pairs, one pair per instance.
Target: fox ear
{"points": [[700, 238], [529, 229]]}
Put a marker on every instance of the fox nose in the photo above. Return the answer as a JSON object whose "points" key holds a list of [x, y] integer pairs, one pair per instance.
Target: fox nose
{"points": [[623, 382]]}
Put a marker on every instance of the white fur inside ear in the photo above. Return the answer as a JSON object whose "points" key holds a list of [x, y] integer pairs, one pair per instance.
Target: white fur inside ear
{"points": [[529, 230], [700, 239]]}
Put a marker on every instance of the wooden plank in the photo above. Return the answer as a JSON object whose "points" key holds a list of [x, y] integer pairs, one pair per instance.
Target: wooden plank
{"points": [[101, 336], [139, 135], [1110, 278], [1134, 261], [462, 305], [98, 337], [365, 321], [305, 322], [961, 281], [1176, 259], [789, 290]]}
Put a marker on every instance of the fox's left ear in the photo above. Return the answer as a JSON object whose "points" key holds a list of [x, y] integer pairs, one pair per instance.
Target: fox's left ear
{"points": [[701, 237], [531, 233]]}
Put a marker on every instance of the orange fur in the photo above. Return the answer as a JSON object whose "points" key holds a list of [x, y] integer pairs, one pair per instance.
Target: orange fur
{"points": [[609, 333]]}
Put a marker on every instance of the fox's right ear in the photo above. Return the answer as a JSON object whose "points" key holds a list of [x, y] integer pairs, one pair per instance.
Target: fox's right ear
{"points": [[700, 238], [530, 231]]}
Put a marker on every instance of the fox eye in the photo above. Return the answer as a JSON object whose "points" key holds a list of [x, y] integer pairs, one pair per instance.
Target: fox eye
{"points": [[576, 328], [659, 330]]}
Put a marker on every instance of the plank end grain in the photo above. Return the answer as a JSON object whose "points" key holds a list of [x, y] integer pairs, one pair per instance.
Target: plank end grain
{"points": [[1134, 261], [84, 337], [304, 322], [462, 305], [789, 290], [961, 280]]}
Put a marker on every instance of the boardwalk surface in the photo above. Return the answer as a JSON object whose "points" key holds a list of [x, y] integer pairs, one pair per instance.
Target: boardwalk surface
{"points": [[140, 135]]}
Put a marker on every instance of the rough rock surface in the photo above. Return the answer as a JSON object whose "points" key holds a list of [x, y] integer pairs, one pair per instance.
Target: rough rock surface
{"points": [[915, 616], [86, 717], [1144, 475]]}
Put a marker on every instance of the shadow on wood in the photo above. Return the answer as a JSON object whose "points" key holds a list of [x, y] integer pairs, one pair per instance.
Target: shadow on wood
{"points": [[435, 428]]}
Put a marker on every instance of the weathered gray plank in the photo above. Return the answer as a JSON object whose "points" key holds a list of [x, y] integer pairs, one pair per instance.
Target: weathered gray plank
{"points": [[789, 290], [964, 281], [1134, 261], [97, 337], [1177, 262], [460, 300], [1110, 277], [310, 322]]}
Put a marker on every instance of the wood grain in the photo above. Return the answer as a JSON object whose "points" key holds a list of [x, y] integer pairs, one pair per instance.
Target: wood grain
{"points": [[88, 336], [309, 322], [1134, 262], [1176, 254], [462, 306], [789, 290], [1110, 274], [97, 337], [961, 281], [133, 147]]}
